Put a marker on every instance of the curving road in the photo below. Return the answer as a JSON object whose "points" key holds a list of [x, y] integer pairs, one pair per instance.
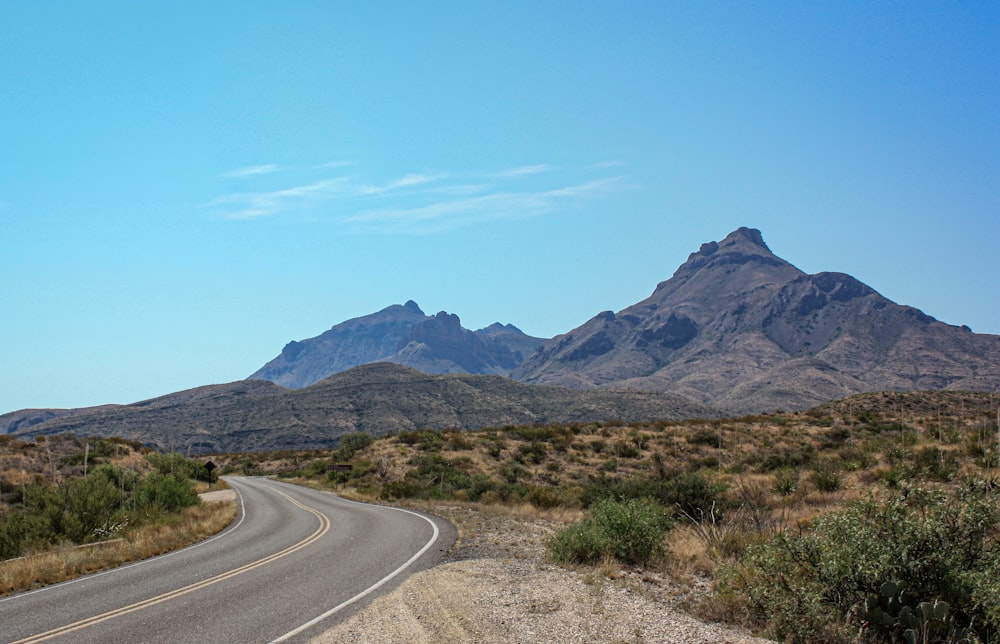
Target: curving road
{"points": [[294, 562]]}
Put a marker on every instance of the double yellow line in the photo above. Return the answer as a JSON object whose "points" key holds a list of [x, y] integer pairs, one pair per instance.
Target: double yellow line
{"points": [[324, 527]]}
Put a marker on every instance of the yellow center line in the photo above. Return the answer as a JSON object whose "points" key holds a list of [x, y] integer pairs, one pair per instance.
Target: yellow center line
{"points": [[324, 527]]}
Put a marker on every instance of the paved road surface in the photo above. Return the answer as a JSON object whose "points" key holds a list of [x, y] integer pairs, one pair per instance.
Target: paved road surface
{"points": [[294, 562]]}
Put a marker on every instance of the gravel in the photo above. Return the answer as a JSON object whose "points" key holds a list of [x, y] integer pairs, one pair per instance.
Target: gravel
{"points": [[497, 587]]}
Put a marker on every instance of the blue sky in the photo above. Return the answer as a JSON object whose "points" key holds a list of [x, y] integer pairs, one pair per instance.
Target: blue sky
{"points": [[184, 188]]}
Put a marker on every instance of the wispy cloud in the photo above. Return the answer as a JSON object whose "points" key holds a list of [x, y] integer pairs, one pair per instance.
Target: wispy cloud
{"points": [[521, 171], [252, 171], [422, 203], [249, 205], [606, 164], [406, 181], [444, 215], [332, 164]]}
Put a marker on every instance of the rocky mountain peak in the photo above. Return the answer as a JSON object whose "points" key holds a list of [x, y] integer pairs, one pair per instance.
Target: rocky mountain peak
{"points": [[740, 328], [740, 263], [739, 247], [401, 334], [745, 235], [498, 327]]}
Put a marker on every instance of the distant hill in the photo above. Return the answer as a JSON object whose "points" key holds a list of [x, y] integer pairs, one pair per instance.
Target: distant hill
{"points": [[380, 398], [400, 334], [736, 329], [24, 418], [739, 328]]}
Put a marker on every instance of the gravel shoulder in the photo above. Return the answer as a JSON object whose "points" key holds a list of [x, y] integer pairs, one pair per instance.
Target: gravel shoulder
{"points": [[497, 587]]}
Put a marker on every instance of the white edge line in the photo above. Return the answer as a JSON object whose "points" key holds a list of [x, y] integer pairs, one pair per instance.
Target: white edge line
{"points": [[224, 533], [371, 589]]}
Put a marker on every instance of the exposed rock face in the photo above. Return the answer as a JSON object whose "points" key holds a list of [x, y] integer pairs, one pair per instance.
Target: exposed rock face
{"points": [[404, 335], [740, 328]]}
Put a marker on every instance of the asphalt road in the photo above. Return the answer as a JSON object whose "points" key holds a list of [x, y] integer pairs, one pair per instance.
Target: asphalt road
{"points": [[294, 562]]}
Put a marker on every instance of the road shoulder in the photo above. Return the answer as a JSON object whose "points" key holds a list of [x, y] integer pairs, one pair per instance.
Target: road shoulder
{"points": [[497, 587]]}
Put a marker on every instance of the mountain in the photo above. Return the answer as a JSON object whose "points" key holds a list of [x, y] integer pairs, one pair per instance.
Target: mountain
{"points": [[400, 334], [24, 418], [380, 398], [739, 328]]}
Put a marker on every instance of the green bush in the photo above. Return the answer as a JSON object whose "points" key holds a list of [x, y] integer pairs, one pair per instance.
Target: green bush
{"points": [[827, 477], [630, 531], [350, 444], [425, 439], [164, 492], [687, 494], [36, 524], [937, 464], [93, 507], [786, 481], [782, 457], [535, 452], [930, 545]]}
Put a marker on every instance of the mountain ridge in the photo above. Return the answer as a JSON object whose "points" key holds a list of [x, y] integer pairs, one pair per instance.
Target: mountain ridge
{"points": [[735, 328], [739, 328], [376, 398], [402, 334]]}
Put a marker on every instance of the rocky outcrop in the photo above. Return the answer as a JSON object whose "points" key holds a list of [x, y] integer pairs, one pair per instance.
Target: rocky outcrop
{"points": [[740, 328], [404, 335]]}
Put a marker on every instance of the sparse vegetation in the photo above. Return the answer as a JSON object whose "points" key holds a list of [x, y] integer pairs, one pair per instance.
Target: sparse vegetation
{"points": [[917, 565], [124, 502], [773, 510], [65, 562], [630, 532], [732, 489]]}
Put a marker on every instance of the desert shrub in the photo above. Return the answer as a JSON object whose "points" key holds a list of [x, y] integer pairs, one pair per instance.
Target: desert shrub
{"points": [[351, 444], [827, 477], [424, 439], [704, 436], [534, 452], [441, 477], [91, 504], [512, 472], [630, 531], [495, 448], [626, 450], [505, 493], [36, 524], [545, 497], [936, 464], [166, 492], [786, 481], [402, 489], [88, 508], [689, 493], [989, 459], [539, 433], [836, 436], [457, 441], [480, 484], [855, 458], [931, 546], [780, 457], [176, 464]]}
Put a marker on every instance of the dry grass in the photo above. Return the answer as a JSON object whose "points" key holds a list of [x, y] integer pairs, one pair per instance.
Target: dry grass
{"points": [[780, 470], [61, 564]]}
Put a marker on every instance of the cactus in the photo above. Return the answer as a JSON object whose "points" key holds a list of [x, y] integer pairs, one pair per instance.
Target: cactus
{"points": [[895, 613]]}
